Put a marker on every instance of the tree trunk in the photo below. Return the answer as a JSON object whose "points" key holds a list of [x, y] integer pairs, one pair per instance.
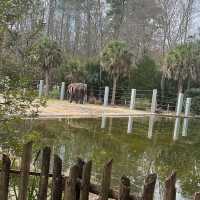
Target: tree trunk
{"points": [[67, 31], [100, 25], [114, 90], [88, 29], [189, 83], [47, 82], [77, 30], [61, 28], [180, 85], [50, 24], [162, 85]]}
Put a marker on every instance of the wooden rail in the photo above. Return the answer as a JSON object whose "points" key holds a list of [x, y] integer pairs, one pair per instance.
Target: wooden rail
{"points": [[77, 185]]}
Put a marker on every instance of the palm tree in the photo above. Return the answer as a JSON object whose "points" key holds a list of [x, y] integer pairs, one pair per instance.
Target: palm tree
{"points": [[182, 63], [116, 60], [49, 56]]}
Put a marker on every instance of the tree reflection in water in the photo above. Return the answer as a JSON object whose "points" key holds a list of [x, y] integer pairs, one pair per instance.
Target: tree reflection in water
{"points": [[150, 148]]}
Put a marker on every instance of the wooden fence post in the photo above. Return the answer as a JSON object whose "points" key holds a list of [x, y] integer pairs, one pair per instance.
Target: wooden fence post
{"points": [[57, 179], [80, 163], [170, 189], [197, 196], [43, 185], [124, 192], [4, 177], [106, 179], [25, 167], [85, 186], [70, 192], [149, 187]]}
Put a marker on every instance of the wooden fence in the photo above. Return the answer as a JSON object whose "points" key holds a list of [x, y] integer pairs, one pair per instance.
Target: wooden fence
{"points": [[77, 185]]}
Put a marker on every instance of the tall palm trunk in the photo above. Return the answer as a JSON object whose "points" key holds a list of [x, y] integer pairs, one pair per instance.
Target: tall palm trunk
{"points": [[61, 28], [162, 85], [47, 82], [114, 90], [180, 85], [77, 30]]}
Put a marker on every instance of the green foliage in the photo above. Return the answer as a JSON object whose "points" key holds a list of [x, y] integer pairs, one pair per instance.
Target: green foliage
{"points": [[194, 93], [47, 54], [15, 103], [54, 93], [11, 10], [182, 63], [146, 75], [72, 70], [116, 59]]}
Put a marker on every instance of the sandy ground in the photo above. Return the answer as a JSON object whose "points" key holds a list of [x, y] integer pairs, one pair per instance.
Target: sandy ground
{"points": [[56, 108]]}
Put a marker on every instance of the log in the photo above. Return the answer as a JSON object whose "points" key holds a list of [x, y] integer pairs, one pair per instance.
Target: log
{"points": [[25, 167], [4, 177], [124, 192], [106, 180], [43, 185], [149, 186], [57, 179], [85, 186], [170, 189], [197, 196], [70, 192]]}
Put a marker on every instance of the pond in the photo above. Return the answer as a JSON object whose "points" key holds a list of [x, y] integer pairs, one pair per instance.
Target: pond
{"points": [[150, 146]]}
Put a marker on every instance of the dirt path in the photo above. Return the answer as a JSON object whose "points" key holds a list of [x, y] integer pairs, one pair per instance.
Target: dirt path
{"points": [[56, 108], [63, 109]]}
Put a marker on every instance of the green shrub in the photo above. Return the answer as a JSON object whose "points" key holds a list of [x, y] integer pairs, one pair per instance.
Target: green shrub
{"points": [[54, 93], [194, 93], [195, 108]]}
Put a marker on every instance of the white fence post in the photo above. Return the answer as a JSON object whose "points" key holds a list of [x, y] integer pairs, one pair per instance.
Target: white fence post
{"points": [[106, 95], [187, 113], [133, 97], [154, 101], [62, 91], [180, 104], [41, 87]]}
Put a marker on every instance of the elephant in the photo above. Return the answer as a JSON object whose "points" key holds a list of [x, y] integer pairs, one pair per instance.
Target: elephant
{"points": [[77, 92]]}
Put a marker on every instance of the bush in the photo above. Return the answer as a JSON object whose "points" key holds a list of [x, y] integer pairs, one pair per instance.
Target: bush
{"points": [[194, 93], [195, 108], [54, 93]]}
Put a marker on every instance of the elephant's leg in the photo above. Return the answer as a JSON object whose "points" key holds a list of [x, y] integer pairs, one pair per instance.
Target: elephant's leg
{"points": [[70, 98]]}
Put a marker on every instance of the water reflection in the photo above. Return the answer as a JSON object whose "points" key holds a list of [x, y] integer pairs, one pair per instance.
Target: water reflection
{"points": [[151, 126], [130, 124], [185, 127], [62, 152], [103, 121], [176, 128], [134, 155], [152, 119]]}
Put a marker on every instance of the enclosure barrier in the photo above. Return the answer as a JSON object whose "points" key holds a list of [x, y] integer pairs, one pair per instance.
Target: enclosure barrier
{"points": [[62, 91], [41, 87], [187, 113], [133, 98], [154, 101], [77, 185], [106, 95]]}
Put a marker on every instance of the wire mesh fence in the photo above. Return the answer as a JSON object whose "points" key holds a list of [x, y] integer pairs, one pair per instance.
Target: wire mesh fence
{"points": [[95, 95]]}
